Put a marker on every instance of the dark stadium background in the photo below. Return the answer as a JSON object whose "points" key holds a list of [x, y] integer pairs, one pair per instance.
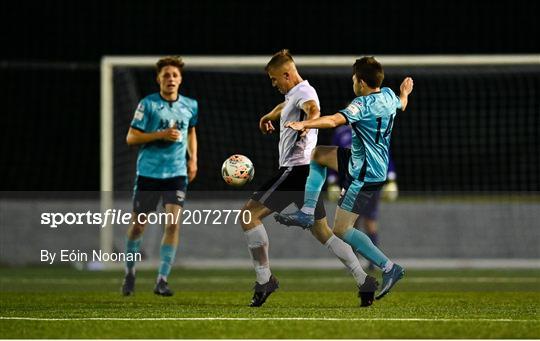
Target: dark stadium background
{"points": [[49, 68]]}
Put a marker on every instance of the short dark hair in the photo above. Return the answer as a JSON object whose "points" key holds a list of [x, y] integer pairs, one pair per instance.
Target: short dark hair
{"points": [[170, 61], [369, 70], [278, 59]]}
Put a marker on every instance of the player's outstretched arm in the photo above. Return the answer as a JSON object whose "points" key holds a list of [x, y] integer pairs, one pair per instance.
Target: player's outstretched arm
{"points": [[324, 122], [265, 123], [405, 90], [135, 137], [192, 152]]}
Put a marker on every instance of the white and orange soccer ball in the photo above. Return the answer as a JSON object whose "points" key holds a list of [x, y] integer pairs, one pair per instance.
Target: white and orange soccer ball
{"points": [[237, 170]]}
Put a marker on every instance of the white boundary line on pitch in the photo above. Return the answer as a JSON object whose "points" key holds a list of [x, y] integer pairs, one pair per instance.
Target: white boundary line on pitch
{"points": [[330, 263], [257, 319], [224, 279]]}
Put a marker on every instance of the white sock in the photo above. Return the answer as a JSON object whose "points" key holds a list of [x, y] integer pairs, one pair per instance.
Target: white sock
{"points": [[346, 255], [159, 277], [130, 271], [257, 241], [308, 210], [388, 266], [263, 274]]}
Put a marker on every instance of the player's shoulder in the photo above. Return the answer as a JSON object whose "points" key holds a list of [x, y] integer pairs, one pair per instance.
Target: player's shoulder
{"points": [[388, 92], [188, 101], [304, 86], [304, 90], [151, 99], [359, 101], [155, 97], [149, 102], [356, 106]]}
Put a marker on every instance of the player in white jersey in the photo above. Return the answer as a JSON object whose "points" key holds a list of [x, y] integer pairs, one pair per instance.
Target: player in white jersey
{"points": [[287, 186]]}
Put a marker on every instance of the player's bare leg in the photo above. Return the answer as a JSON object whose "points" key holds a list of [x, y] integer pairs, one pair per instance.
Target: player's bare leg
{"points": [[343, 221], [258, 212], [257, 241], [167, 251], [326, 156], [321, 231], [133, 246], [370, 226], [171, 233]]}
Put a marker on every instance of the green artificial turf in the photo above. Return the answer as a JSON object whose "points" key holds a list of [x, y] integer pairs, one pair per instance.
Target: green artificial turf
{"points": [[66, 303]]}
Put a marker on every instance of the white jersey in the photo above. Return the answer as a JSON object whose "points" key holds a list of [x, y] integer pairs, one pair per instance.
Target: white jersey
{"points": [[293, 149]]}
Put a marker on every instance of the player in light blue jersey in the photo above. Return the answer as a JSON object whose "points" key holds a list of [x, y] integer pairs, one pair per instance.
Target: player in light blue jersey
{"points": [[164, 129], [367, 218], [363, 167]]}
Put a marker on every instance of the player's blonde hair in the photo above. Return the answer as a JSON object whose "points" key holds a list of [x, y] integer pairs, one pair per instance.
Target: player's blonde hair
{"points": [[169, 61], [278, 59]]}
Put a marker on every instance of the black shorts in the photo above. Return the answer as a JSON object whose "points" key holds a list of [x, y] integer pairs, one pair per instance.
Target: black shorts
{"points": [[148, 191], [285, 187], [357, 196]]}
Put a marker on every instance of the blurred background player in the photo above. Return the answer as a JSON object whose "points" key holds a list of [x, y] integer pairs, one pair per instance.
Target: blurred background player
{"points": [[287, 186], [367, 218], [364, 166], [164, 128]]}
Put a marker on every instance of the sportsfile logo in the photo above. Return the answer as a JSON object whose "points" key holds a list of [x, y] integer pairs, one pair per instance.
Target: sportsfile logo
{"points": [[118, 217], [107, 218]]}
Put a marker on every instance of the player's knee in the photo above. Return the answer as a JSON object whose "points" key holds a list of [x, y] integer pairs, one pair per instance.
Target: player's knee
{"points": [[321, 231], [253, 214], [136, 230], [253, 220], [370, 226], [317, 154], [247, 206], [171, 229], [339, 231]]}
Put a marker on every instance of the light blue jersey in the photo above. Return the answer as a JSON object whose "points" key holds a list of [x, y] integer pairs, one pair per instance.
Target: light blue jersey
{"points": [[164, 159], [371, 118]]}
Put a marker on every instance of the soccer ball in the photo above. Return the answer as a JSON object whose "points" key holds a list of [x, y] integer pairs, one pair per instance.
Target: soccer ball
{"points": [[237, 170]]}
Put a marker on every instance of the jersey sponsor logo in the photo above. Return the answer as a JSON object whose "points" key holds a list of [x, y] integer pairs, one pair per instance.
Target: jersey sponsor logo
{"points": [[139, 115], [353, 108], [139, 112], [164, 124]]}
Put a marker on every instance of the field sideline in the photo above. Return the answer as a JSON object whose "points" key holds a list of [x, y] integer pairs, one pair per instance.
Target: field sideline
{"points": [[66, 303]]}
